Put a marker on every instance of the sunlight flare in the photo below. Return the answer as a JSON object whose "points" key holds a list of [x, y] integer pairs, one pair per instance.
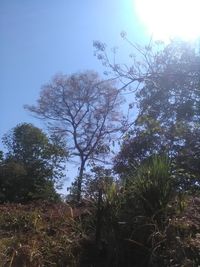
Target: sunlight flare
{"points": [[166, 19]]}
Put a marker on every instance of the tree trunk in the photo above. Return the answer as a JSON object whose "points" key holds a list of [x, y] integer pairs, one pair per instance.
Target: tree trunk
{"points": [[99, 219], [80, 180]]}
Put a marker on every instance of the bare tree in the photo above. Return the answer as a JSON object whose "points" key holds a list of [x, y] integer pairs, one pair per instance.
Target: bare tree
{"points": [[85, 109]]}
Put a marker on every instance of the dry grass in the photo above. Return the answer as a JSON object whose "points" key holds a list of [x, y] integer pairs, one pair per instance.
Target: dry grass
{"points": [[37, 235], [55, 235]]}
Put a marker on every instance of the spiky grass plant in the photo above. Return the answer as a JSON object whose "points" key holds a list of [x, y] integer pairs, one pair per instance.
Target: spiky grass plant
{"points": [[153, 185]]}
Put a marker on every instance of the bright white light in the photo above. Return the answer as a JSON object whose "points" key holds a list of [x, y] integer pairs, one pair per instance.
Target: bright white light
{"points": [[170, 18]]}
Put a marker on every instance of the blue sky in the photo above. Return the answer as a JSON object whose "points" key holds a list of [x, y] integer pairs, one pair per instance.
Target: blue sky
{"points": [[42, 38]]}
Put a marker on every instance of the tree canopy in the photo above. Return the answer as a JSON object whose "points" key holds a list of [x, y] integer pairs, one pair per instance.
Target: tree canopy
{"points": [[83, 108], [32, 166], [168, 103]]}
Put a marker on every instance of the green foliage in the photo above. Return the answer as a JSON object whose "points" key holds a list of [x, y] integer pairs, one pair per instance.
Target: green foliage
{"points": [[168, 102], [99, 178], [32, 165], [1, 156], [153, 185]]}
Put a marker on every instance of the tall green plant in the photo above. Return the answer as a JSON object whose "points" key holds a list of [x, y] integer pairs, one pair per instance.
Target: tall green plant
{"points": [[152, 184]]}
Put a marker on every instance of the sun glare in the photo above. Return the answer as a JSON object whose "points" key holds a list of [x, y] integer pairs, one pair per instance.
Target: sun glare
{"points": [[166, 19]]}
